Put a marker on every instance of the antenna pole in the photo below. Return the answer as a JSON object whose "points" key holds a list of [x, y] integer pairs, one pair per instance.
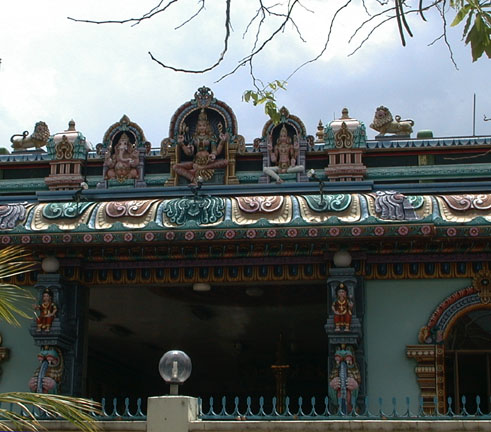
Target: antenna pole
{"points": [[474, 117]]}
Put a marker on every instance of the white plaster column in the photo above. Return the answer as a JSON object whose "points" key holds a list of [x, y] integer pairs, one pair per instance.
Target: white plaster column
{"points": [[171, 413]]}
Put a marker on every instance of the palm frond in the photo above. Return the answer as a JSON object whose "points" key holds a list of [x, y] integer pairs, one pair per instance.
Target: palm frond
{"points": [[26, 408], [14, 300], [13, 303]]}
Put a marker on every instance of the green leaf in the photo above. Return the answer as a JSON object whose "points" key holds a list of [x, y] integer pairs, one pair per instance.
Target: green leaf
{"points": [[461, 14]]}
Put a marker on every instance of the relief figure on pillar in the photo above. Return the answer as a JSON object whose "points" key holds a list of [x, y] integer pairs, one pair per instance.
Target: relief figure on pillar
{"points": [[203, 147], [283, 155], [344, 380], [342, 308], [122, 161], [47, 312], [47, 376]]}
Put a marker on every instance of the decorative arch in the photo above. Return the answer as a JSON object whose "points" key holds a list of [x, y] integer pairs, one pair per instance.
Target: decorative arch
{"points": [[139, 144], [218, 112], [295, 129], [430, 353]]}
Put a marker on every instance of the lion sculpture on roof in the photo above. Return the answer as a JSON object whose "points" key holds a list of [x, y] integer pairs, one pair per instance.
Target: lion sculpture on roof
{"points": [[384, 123], [37, 139]]}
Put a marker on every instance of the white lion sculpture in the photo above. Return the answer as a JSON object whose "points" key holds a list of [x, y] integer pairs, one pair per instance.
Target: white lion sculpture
{"points": [[37, 139], [384, 123]]}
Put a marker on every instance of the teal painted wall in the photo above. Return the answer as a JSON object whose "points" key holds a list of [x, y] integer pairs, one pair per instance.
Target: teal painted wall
{"points": [[22, 362], [395, 311]]}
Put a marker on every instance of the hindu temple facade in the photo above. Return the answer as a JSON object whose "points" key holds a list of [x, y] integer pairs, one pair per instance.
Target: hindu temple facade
{"points": [[319, 264]]}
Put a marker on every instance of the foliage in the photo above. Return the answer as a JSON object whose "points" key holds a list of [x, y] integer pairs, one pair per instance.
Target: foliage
{"points": [[77, 411], [23, 407], [477, 28], [266, 96], [13, 299]]}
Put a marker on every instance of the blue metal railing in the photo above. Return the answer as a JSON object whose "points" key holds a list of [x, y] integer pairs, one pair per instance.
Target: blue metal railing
{"points": [[301, 409], [315, 409]]}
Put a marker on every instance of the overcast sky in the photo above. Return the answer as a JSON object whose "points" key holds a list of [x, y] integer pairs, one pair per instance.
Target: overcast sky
{"points": [[53, 69]]}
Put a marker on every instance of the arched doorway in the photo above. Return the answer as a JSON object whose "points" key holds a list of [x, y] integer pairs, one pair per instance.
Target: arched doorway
{"points": [[468, 361]]}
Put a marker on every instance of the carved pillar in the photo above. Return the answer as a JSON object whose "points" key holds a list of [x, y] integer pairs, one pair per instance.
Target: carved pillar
{"points": [[346, 366], [429, 374], [61, 339]]}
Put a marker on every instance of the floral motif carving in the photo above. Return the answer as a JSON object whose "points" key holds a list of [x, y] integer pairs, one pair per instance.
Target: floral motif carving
{"points": [[337, 203], [65, 210], [467, 202], [127, 208], [12, 214], [392, 205], [64, 149], [482, 283], [204, 211], [204, 96], [260, 204]]}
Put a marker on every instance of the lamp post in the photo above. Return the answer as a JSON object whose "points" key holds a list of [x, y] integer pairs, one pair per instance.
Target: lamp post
{"points": [[175, 368]]}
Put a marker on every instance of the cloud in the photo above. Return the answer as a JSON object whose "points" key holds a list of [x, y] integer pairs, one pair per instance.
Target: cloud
{"points": [[54, 69]]}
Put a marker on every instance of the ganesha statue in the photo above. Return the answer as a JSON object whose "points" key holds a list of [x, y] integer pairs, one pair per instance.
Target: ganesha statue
{"points": [[384, 123], [122, 162]]}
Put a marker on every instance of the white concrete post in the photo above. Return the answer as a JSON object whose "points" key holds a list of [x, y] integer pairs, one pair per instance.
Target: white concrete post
{"points": [[171, 413]]}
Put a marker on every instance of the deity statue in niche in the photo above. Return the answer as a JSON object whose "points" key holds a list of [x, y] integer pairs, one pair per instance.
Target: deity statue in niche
{"points": [[122, 163], [344, 380], [204, 148], [283, 155], [47, 312], [342, 308]]}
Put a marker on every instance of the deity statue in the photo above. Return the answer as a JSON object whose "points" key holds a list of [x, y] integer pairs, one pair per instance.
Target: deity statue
{"points": [[342, 308], [122, 164], [204, 148], [344, 380], [47, 312], [283, 155]]}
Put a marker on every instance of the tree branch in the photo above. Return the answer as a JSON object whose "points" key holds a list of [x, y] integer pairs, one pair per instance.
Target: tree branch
{"points": [[220, 58], [150, 14]]}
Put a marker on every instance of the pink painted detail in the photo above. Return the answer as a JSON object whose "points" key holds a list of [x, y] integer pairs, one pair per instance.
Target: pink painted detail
{"points": [[403, 230], [313, 232], [379, 231], [334, 231], [260, 204], [189, 235], [451, 232], [149, 236], [474, 231], [251, 233], [356, 231], [426, 229], [292, 232]]}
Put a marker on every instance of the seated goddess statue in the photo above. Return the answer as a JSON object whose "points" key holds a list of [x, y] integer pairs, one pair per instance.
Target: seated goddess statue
{"points": [[283, 155], [203, 148], [122, 164]]}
